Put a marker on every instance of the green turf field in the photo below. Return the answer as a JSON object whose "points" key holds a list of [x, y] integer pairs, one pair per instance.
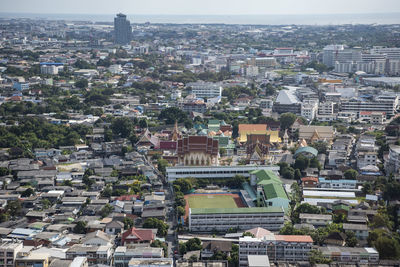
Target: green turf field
{"points": [[211, 201]]}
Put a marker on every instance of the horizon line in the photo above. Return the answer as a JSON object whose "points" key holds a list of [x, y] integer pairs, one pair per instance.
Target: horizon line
{"points": [[201, 14]]}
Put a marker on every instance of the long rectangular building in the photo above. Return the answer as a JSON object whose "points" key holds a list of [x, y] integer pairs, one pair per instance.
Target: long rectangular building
{"points": [[221, 219], [276, 247], [218, 172], [350, 255]]}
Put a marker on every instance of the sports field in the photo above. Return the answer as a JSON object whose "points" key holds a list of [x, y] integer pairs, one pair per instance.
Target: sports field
{"points": [[211, 201]]}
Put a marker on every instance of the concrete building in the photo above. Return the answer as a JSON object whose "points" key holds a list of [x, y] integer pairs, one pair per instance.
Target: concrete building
{"points": [[122, 30], [309, 109], [218, 172], [205, 89], [317, 220], [8, 253], [360, 230], [330, 54], [382, 103], [392, 164], [221, 219], [349, 255], [149, 262], [122, 255], [276, 247], [287, 101]]}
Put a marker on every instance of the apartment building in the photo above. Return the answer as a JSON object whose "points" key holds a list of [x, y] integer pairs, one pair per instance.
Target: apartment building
{"points": [[205, 89], [123, 255], [392, 164], [221, 219], [350, 255], [217, 172], [94, 254], [317, 220], [382, 103], [8, 253], [276, 247]]}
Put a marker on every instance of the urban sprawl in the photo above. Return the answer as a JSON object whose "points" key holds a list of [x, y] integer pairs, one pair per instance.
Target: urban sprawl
{"points": [[135, 145]]}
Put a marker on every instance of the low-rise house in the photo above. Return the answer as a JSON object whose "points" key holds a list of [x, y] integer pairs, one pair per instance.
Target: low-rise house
{"points": [[360, 230], [142, 262], [94, 254], [97, 238], [114, 227], [212, 247], [349, 255], [137, 236], [317, 220]]}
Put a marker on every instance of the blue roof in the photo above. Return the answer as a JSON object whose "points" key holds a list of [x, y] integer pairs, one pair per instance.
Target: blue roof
{"points": [[306, 149], [52, 63]]}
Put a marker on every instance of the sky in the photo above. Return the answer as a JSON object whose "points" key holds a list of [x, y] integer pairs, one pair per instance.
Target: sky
{"points": [[200, 7]]}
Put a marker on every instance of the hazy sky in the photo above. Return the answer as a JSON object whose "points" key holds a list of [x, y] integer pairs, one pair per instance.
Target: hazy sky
{"points": [[234, 7]]}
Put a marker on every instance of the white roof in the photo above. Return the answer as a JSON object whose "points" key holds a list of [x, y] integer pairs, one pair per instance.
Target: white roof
{"points": [[287, 97], [315, 201], [328, 194]]}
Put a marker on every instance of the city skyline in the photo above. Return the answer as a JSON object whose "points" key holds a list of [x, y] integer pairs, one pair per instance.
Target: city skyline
{"points": [[206, 7]]}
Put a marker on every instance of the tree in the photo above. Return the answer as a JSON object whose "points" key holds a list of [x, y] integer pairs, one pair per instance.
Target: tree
{"points": [[128, 223], [301, 163], [159, 244], [172, 114], [222, 152], [122, 126], [45, 203], [321, 146], [106, 210], [314, 163], [350, 174], [143, 123], [13, 207], [387, 247], [287, 119], [184, 184], [236, 181], [162, 227], [248, 234], [162, 165], [351, 239], [82, 83], [316, 257], [180, 211], [28, 192], [297, 174], [193, 244], [80, 227], [107, 192]]}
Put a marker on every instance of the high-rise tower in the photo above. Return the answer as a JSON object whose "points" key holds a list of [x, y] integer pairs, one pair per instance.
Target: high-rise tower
{"points": [[122, 29]]}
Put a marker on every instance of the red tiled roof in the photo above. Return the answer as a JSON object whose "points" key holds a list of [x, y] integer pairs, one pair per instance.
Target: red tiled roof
{"points": [[141, 234], [314, 179]]}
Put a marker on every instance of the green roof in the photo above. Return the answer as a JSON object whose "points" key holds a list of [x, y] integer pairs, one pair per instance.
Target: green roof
{"points": [[341, 207], [274, 190], [236, 210], [213, 123], [223, 141], [266, 177]]}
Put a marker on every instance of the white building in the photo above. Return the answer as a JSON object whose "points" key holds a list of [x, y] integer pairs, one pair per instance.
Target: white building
{"points": [[309, 109], [217, 172], [49, 69], [392, 164], [148, 262], [221, 219], [205, 89], [8, 252], [115, 69], [276, 247]]}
